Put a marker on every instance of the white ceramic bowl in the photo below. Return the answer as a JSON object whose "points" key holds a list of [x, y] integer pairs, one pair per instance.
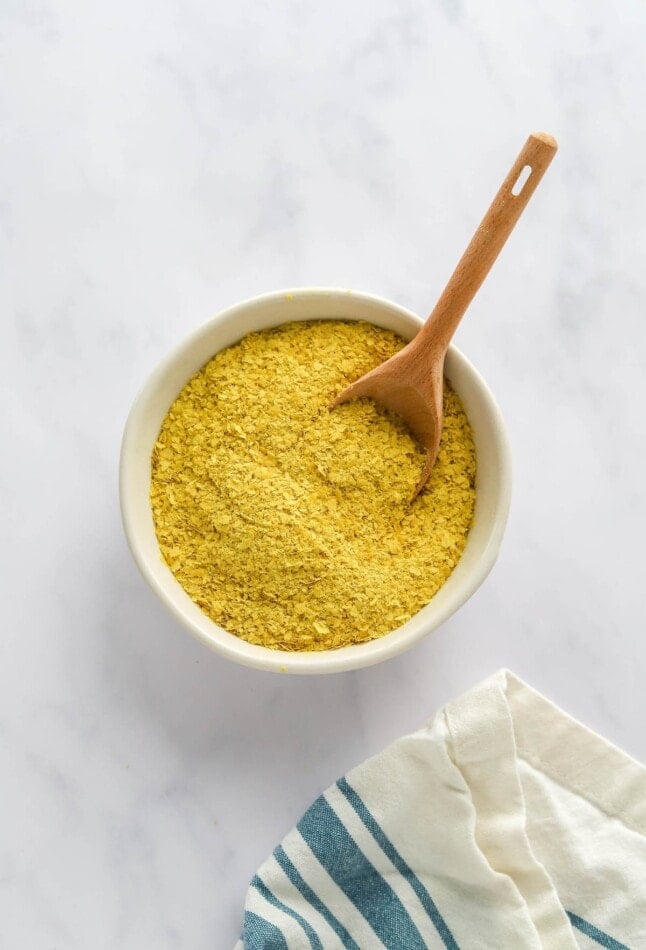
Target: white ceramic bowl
{"points": [[493, 480]]}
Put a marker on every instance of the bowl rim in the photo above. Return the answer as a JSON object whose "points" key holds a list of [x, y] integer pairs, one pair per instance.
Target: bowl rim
{"points": [[301, 662]]}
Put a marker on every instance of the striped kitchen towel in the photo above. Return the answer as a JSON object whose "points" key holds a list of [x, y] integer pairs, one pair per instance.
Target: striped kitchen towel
{"points": [[501, 824]]}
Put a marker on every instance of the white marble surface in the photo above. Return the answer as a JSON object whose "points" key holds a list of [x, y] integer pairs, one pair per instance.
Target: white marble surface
{"points": [[161, 160]]}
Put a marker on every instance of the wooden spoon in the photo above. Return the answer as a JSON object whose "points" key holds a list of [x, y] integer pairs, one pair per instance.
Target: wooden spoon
{"points": [[410, 382]]}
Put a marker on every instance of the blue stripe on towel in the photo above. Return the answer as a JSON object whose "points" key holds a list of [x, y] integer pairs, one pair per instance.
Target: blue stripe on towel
{"points": [[259, 934], [395, 857], [262, 888], [595, 934], [292, 873], [360, 881]]}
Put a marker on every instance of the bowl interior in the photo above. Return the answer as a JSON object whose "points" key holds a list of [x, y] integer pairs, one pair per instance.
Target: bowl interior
{"points": [[152, 404]]}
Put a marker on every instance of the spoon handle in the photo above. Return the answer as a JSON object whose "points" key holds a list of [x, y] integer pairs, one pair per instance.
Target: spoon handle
{"points": [[486, 244]]}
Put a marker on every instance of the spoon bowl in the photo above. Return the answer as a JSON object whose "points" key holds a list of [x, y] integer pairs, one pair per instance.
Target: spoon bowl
{"points": [[397, 386]]}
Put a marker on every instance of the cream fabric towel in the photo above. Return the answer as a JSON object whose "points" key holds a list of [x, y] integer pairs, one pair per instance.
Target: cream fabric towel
{"points": [[501, 824]]}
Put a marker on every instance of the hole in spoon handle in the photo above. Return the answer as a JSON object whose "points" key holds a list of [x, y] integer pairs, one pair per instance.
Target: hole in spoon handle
{"points": [[521, 180]]}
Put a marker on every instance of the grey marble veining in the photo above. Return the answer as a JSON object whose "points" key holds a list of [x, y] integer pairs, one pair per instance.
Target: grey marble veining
{"points": [[163, 160]]}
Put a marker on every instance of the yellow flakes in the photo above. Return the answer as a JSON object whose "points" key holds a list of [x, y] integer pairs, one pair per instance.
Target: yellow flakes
{"points": [[290, 525]]}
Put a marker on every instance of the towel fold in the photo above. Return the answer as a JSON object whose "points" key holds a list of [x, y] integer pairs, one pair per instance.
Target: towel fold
{"points": [[503, 823]]}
